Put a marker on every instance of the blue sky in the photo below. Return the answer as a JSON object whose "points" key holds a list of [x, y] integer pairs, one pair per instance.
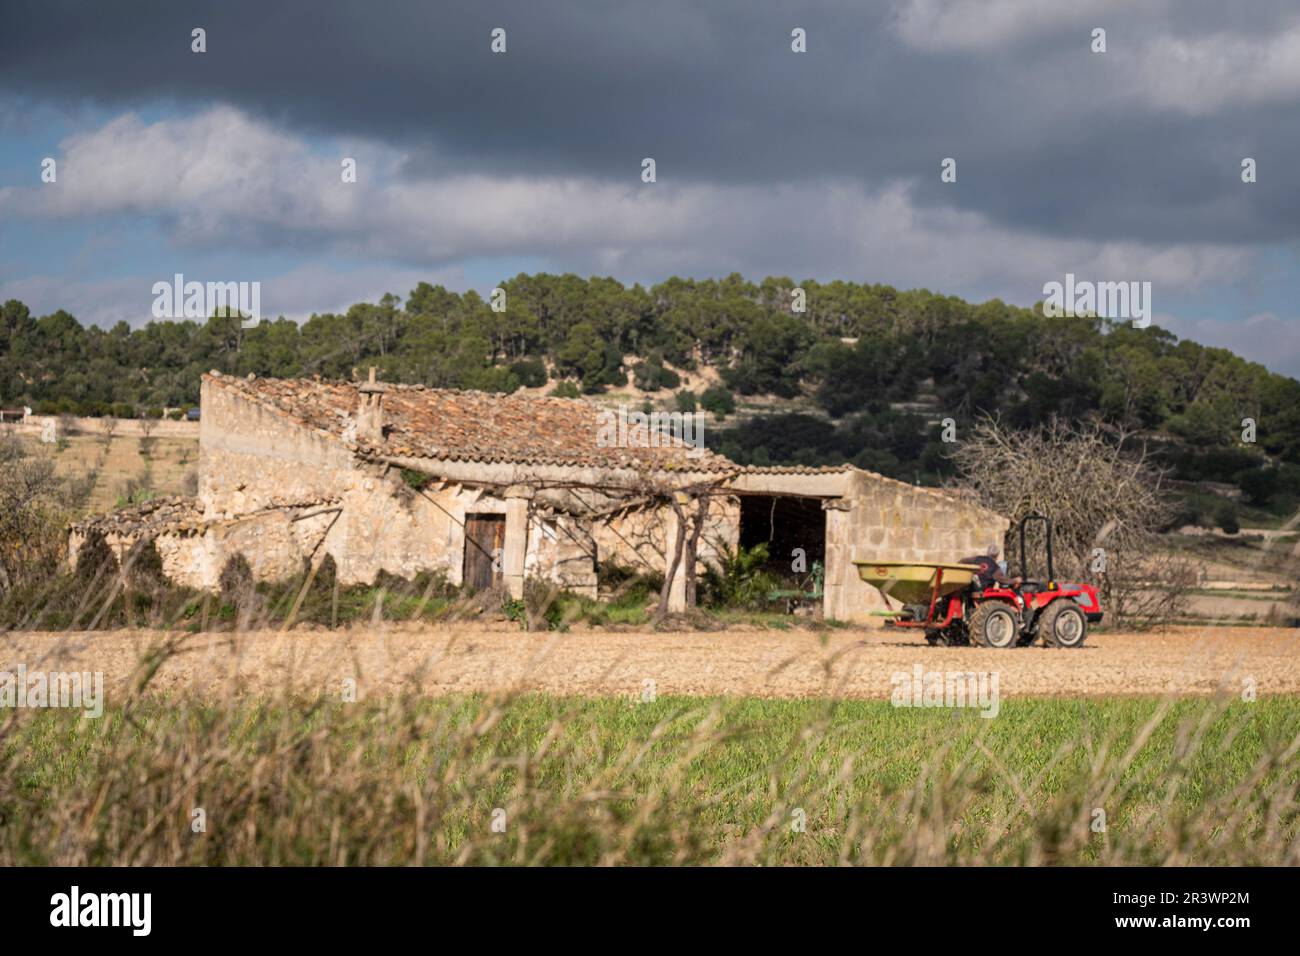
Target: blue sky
{"points": [[474, 166]]}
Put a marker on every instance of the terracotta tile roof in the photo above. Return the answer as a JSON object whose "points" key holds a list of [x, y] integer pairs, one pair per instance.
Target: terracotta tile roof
{"points": [[425, 422], [801, 469]]}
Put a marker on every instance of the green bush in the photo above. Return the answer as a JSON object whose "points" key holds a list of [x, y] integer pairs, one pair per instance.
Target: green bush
{"points": [[416, 479], [739, 579], [630, 607], [1226, 518], [719, 401], [491, 379], [651, 375], [531, 373]]}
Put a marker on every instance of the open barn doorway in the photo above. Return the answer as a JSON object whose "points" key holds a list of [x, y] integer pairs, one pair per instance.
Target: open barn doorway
{"points": [[794, 530]]}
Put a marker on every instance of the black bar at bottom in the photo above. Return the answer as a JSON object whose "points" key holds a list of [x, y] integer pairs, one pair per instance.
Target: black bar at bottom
{"points": [[336, 906]]}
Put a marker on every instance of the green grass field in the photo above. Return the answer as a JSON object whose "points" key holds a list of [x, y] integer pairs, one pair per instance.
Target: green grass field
{"points": [[676, 780]]}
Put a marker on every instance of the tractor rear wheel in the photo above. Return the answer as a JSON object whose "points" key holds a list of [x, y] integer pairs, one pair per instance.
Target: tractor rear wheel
{"points": [[994, 624], [1064, 624]]}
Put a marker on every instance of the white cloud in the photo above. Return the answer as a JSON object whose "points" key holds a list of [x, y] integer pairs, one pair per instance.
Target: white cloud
{"points": [[1196, 75], [222, 177], [1204, 75], [221, 180], [987, 24], [1264, 337], [103, 302]]}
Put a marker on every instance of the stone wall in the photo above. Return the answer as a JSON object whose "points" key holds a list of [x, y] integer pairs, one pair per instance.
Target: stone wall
{"points": [[252, 458], [378, 525], [635, 537], [884, 520], [186, 556], [37, 425], [560, 549]]}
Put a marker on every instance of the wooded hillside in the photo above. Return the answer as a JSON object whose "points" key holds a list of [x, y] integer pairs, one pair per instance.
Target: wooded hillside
{"points": [[865, 374]]}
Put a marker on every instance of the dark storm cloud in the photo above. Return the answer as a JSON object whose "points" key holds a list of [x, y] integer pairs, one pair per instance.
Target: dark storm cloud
{"points": [[1048, 136]]}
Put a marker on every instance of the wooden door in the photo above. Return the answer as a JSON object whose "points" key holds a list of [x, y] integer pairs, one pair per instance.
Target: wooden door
{"points": [[485, 536]]}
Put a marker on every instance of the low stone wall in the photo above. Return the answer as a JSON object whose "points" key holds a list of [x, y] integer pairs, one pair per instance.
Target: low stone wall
{"points": [[39, 425], [185, 555]]}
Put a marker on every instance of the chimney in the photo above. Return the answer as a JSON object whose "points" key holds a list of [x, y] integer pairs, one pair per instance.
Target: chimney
{"points": [[370, 411]]}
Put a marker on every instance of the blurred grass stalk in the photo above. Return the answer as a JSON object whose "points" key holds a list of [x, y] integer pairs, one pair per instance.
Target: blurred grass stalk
{"points": [[535, 779]]}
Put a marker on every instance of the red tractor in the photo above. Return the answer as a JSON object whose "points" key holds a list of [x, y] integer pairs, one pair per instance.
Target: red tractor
{"points": [[1004, 615]]}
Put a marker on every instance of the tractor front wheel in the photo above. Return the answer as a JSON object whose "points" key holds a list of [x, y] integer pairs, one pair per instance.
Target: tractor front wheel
{"points": [[994, 624], [1064, 624]]}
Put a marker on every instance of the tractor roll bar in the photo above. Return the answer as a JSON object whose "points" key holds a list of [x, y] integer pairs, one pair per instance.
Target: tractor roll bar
{"points": [[1047, 526]]}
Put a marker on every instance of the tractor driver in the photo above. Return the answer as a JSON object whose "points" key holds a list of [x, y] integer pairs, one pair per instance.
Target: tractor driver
{"points": [[990, 572]]}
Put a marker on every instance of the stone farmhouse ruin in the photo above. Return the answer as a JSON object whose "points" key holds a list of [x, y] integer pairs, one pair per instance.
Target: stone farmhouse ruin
{"points": [[491, 490]]}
